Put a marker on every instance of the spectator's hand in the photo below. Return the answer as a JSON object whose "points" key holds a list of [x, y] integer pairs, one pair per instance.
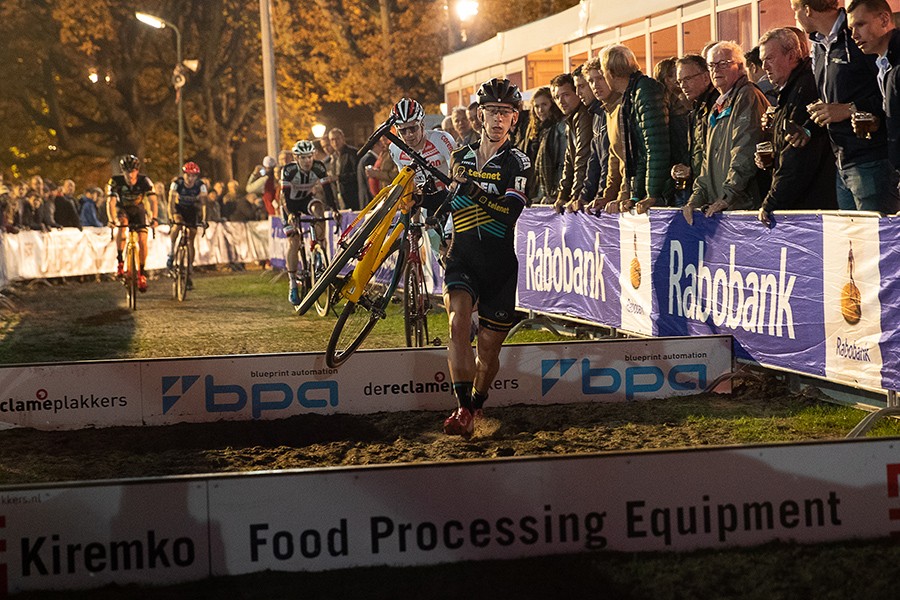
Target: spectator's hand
{"points": [[765, 217], [717, 206], [595, 207], [680, 171], [688, 211], [644, 205], [626, 205], [822, 114], [559, 206], [612, 207], [575, 206]]}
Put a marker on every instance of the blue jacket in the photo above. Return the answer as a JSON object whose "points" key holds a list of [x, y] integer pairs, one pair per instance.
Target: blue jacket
{"points": [[844, 74]]}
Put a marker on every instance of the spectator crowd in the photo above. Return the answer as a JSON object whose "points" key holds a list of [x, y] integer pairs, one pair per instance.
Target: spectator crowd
{"points": [[805, 120]]}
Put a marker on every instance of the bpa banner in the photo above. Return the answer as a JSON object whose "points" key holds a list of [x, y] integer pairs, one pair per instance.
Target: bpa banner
{"points": [[813, 294]]}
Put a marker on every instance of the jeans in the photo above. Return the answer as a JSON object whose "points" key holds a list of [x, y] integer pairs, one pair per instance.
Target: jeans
{"points": [[868, 186]]}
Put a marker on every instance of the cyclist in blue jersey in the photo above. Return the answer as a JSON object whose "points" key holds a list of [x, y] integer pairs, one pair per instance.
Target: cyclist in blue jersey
{"points": [[481, 266], [125, 205], [187, 208]]}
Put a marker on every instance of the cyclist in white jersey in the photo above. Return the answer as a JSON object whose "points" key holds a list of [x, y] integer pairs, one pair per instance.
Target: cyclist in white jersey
{"points": [[433, 145]]}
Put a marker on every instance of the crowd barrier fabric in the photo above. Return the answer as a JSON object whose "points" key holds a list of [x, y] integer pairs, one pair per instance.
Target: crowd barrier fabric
{"points": [[815, 293], [70, 252]]}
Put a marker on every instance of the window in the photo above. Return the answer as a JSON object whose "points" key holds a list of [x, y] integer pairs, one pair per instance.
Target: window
{"points": [[663, 44], [734, 26], [638, 46], [577, 60], [696, 34], [543, 65], [774, 14]]}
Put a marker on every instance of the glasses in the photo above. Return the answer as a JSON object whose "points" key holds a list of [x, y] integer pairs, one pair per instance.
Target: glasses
{"points": [[407, 130], [498, 111], [722, 64], [684, 80]]}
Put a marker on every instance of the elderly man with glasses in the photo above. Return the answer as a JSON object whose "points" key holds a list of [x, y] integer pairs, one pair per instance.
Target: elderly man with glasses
{"points": [[728, 177]]}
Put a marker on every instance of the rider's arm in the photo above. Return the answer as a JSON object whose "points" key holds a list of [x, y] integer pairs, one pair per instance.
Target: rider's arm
{"points": [[204, 200], [173, 200]]}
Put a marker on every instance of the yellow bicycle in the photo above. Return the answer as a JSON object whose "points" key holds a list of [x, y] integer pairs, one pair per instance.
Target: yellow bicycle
{"points": [[377, 241]]}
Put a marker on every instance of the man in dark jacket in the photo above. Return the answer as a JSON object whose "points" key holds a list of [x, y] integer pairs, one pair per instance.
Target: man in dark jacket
{"points": [[872, 26], [579, 132], [696, 85], [344, 169], [847, 83], [598, 161], [802, 178]]}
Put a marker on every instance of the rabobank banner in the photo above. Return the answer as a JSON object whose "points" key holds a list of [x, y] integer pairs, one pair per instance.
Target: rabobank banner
{"points": [[815, 293], [276, 386]]}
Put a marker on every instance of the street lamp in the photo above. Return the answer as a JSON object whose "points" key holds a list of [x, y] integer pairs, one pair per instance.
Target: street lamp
{"points": [[318, 130], [178, 76]]}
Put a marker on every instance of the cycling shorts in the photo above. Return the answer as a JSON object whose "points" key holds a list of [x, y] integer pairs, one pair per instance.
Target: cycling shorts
{"points": [[488, 272], [136, 215], [187, 214]]}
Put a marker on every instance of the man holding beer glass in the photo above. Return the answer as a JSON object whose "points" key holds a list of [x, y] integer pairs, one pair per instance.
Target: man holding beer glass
{"points": [[847, 83], [872, 27], [802, 178]]}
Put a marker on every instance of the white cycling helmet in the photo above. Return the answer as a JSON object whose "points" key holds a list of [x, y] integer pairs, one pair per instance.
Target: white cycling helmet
{"points": [[303, 148], [408, 110]]}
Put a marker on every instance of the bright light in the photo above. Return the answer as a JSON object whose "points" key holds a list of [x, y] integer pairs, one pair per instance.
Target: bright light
{"points": [[94, 77], [318, 130], [466, 9], [443, 108], [150, 20]]}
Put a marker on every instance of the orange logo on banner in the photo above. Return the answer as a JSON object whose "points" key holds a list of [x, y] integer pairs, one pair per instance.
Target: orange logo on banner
{"points": [[851, 305], [635, 267]]}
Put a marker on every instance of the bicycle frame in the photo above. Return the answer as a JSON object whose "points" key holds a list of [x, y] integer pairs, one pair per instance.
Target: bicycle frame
{"points": [[382, 239]]}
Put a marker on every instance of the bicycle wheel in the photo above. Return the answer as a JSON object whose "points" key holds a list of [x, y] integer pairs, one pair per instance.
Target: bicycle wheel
{"points": [[350, 248], [358, 318], [304, 278], [131, 282], [415, 306], [181, 272], [319, 263]]}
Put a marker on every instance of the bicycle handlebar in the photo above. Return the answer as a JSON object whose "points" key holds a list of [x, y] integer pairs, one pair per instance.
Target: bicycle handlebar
{"points": [[385, 130]]}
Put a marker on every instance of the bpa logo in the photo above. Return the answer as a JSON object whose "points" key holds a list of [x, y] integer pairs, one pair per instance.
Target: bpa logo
{"points": [[637, 379], [262, 396]]}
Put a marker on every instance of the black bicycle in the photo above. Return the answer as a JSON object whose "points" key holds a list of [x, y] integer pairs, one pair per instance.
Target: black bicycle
{"points": [[314, 259]]}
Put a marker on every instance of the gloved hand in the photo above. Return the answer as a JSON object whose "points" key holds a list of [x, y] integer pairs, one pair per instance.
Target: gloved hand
{"points": [[289, 230]]}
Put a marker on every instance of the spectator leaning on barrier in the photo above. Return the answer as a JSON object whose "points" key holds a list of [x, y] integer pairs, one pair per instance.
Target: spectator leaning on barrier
{"points": [[598, 160], [802, 178], [644, 122], [872, 25], [88, 213], [579, 132], [614, 187], [679, 107], [847, 83], [695, 83], [545, 144], [65, 209], [727, 179]]}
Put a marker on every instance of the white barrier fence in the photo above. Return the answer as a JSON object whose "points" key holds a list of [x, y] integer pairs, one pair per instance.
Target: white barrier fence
{"points": [[69, 252], [245, 387], [163, 531]]}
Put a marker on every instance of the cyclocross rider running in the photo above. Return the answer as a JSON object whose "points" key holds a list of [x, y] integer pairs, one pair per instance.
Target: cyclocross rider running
{"points": [[481, 265], [125, 204], [187, 208], [303, 182], [433, 145]]}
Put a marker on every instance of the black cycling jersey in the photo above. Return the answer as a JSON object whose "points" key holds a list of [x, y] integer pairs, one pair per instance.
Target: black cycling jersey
{"points": [[491, 202], [130, 199], [482, 259], [125, 192], [297, 185], [187, 196]]}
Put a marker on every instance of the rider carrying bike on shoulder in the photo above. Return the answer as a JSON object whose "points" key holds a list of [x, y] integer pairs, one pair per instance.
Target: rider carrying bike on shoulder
{"points": [[303, 183], [492, 178], [187, 208], [125, 205]]}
